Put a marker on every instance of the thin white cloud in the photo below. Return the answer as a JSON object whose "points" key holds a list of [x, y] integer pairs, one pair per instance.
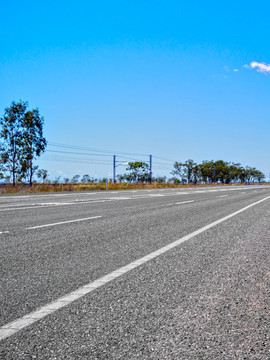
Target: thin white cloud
{"points": [[260, 67], [235, 70]]}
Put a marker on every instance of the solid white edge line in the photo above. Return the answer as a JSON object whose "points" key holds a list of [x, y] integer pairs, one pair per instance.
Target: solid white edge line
{"points": [[62, 222], [29, 319], [27, 207]]}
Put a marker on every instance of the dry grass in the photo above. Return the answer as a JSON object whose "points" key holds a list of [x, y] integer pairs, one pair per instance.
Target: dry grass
{"points": [[39, 188]]}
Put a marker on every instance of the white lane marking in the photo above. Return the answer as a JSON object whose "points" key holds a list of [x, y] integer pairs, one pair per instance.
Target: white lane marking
{"points": [[62, 222], [26, 207], [43, 205], [221, 196], [155, 195], [38, 196], [181, 202], [91, 202], [53, 203], [184, 202], [120, 198], [4, 232], [29, 319]]}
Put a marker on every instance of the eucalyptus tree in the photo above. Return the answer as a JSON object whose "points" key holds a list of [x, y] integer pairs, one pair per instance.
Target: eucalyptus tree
{"points": [[178, 170], [42, 174], [138, 172], [22, 140], [33, 143], [11, 135]]}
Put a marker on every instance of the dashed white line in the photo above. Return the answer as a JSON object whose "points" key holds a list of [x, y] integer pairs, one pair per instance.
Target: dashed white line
{"points": [[63, 222], [221, 196], [184, 202], [4, 232], [29, 319]]}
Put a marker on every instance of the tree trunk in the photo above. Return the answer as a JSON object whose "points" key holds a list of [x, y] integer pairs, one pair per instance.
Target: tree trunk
{"points": [[31, 173]]}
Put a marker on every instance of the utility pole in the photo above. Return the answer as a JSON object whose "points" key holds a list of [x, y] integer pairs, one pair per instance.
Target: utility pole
{"points": [[214, 173], [114, 168], [150, 165]]}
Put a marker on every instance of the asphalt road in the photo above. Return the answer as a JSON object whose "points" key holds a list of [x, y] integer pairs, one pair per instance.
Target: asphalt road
{"points": [[203, 297]]}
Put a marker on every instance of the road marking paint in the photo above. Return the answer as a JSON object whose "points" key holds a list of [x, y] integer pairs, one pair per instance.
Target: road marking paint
{"points": [[155, 195], [120, 198], [140, 197], [184, 202], [26, 207], [4, 232], [52, 204], [62, 222], [11, 197], [181, 202], [29, 319], [81, 202], [221, 196], [44, 205]]}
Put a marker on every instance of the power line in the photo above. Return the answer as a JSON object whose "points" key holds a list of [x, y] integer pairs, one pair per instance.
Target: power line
{"points": [[93, 149], [103, 152], [75, 153], [84, 161]]}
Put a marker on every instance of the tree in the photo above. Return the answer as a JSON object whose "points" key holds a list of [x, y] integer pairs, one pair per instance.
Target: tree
{"points": [[187, 171], [190, 171], [86, 179], [207, 171], [33, 143], [178, 170], [42, 174], [138, 172], [75, 179], [12, 138], [258, 175], [21, 140]]}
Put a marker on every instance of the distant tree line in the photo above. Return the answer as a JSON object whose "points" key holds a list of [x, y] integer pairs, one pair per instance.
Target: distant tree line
{"points": [[189, 172], [21, 142], [220, 171]]}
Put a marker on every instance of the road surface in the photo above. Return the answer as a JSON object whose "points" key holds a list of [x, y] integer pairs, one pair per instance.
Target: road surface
{"points": [[142, 274]]}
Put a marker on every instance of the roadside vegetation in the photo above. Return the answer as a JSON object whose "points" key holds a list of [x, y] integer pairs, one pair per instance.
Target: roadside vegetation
{"points": [[22, 142]]}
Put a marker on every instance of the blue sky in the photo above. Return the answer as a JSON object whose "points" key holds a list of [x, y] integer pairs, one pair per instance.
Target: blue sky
{"points": [[176, 79]]}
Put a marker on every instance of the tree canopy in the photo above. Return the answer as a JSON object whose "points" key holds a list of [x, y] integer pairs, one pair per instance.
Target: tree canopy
{"points": [[215, 171], [138, 171], [22, 141]]}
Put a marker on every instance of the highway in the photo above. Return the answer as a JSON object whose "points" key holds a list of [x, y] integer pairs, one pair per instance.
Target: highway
{"points": [[138, 274]]}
